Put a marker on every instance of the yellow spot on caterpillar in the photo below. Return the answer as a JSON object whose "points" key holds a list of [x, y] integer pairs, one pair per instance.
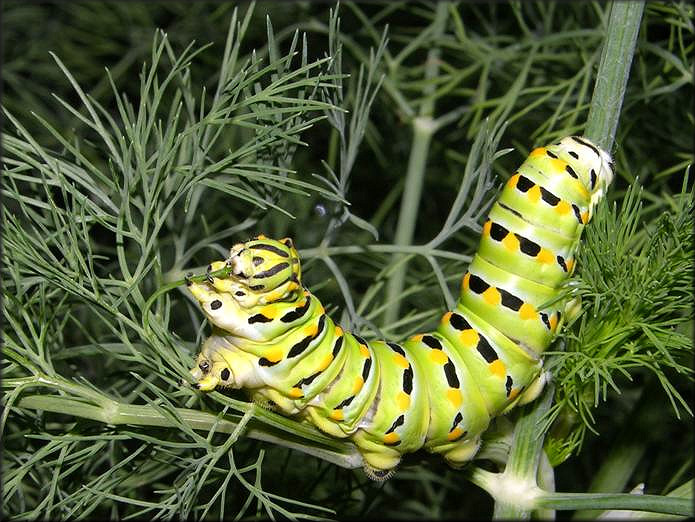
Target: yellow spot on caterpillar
{"points": [[311, 329], [469, 337], [416, 338], [527, 311], [274, 355], [261, 237], [466, 280], [585, 217], [540, 151], [581, 188], [455, 433], [296, 393], [359, 382], [513, 180], [534, 193], [269, 311], [364, 351], [553, 322], [558, 164], [338, 331], [322, 310], [497, 367], [337, 414], [392, 437], [492, 296], [486, 228], [325, 362], [562, 207], [403, 400], [513, 394], [438, 356], [216, 265], [570, 265], [446, 317], [454, 396], [544, 256], [400, 360], [511, 242]]}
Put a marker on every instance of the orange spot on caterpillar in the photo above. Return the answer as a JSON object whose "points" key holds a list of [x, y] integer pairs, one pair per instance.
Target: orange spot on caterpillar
{"points": [[553, 322], [446, 317], [534, 193], [274, 355], [454, 396], [513, 180], [392, 437], [562, 207], [311, 329], [527, 311], [296, 393], [438, 356], [558, 164], [364, 351], [585, 217], [359, 382], [417, 338], [469, 338], [400, 360], [325, 362], [544, 256], [336, 414], [511, 242], [570, 265], [269, 311], [338, 331], [497, 367], [486, 228], [455, 433], [513, 394], [403, 401], [492, 296], [466, 280], [540, 151]]}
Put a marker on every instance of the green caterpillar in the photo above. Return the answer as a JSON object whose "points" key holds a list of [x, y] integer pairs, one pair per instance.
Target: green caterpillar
{"points": [[436, 390]]}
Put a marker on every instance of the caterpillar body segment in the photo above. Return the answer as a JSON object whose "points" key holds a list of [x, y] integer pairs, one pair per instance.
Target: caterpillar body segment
{"points": [[436, 390]]}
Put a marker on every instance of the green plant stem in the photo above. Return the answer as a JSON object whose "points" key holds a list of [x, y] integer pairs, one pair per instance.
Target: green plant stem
{"points": [[613, 71], [117, 413], [536, 498], [521, 470], [627, 501], [423, 129]]}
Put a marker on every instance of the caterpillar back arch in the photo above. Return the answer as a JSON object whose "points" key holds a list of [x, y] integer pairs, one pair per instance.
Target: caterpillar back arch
{"points": [[437, 390]]}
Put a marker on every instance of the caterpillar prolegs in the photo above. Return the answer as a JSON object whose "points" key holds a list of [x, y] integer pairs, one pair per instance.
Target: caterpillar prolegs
{"points": [[436, 390]]}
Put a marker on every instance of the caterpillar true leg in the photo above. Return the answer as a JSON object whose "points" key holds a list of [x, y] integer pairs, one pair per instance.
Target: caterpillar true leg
{"points": [[436, 390]]}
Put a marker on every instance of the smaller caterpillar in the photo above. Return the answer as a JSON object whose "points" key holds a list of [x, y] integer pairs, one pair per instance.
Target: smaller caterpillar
{"points": [[436, 390]]}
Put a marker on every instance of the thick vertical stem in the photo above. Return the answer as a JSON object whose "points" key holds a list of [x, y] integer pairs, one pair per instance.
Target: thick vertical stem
{"points": [[423, 128], [613, 71]]}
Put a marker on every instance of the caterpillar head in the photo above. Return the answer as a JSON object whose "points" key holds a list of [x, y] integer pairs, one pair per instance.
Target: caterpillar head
{"points": [[268, 270], [592, 164], [263, 271]]}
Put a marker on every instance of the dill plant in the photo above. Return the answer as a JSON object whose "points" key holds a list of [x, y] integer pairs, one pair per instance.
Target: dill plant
{"points": [[129, 184]]}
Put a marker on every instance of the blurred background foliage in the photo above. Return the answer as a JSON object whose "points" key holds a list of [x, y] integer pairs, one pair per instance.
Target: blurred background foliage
{"points": [[529, 63]]}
